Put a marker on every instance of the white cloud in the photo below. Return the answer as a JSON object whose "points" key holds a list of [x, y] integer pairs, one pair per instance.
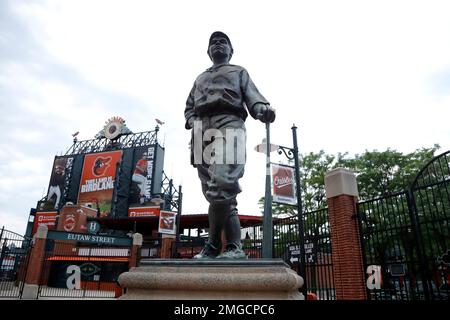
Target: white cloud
{"points": [[352, 75]]}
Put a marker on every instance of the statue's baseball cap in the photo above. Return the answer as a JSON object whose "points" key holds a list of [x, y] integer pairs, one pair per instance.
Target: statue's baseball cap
{"points": [[220, 34]]}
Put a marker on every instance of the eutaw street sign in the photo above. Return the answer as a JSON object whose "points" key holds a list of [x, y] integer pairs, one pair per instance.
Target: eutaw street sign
{"points": [[89, 238]]}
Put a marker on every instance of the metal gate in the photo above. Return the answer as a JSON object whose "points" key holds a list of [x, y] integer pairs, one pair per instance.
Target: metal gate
{"points": [[14, 250], [406, 238], [286, 245], [71, 270]]}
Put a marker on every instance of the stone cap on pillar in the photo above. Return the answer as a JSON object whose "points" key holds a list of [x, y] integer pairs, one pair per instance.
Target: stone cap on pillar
{"points": [[340, 181], [41, 232], [137, 239]]}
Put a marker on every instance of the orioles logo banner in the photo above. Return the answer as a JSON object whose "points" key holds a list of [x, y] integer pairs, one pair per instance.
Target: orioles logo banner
{"points": [[97, 180], [283, 184]]}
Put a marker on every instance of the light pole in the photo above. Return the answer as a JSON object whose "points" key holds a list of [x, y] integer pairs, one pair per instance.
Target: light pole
{"points": [[267, 244], [291, 154]]}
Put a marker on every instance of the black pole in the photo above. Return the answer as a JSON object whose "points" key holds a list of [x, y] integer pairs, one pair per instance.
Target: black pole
{"points": [[301, 231], [267, 245], [412, 208], [180, 201], [167, 204]]}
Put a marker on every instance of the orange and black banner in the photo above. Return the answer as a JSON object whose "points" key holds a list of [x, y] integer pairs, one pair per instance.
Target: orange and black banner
{"points": [[98, 180]]}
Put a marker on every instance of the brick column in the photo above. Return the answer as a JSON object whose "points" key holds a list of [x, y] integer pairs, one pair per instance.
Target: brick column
{"points": [[166, 246], [35, 264], [348, 269], [134, 254]]}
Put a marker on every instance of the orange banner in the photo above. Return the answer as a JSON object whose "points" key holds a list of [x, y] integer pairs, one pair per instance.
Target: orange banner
{"points": [[98, 180]]}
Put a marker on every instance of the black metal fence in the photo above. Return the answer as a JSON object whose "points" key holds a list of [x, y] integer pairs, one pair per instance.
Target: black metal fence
{"points": [[187, 247], [406, 236], [71, 271], [319, 265], [14, 250], [151, 249]]}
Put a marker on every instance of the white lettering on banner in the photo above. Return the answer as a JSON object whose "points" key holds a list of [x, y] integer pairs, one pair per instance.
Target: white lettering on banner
{"points": [[74, 279], [283, 182], [142, 214], [148, 185], [82, 237], [103, 239], [99, 184], [374, 280]]}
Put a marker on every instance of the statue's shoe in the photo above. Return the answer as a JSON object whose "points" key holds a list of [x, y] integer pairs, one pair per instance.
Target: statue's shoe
{"points": [[233, 254], [208, 252]]}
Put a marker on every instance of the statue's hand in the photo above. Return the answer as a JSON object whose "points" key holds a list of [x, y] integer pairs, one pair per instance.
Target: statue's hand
{"points": [[191, 121], [265, 113]]}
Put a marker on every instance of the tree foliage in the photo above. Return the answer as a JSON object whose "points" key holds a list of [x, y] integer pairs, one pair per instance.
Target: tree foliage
{"points": [[378, 173]]}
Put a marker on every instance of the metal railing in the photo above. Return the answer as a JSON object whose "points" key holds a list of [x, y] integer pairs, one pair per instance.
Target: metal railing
{"points": [[71, 271], [407, 236], [14, 250]]}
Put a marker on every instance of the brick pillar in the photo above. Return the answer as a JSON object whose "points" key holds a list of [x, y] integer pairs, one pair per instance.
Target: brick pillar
{"points": [[348, 269], [166, 246], [134, 254], [35, 264]]}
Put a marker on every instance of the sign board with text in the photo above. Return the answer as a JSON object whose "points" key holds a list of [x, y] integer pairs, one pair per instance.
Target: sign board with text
{"points": [[90, 238], [167, 222], [45, 218], [283, 184], [142, 212]]}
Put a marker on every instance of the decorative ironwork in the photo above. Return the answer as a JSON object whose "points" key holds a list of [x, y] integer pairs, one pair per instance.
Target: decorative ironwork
{"points": [[288, 152], [410, 230], [140, 139], [14, 249], [170, 194], [436, 171], [286, 245], [77, 271]]}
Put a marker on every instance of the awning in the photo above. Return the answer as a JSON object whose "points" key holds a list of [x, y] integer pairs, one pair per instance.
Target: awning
{"points": [[77, 258]]}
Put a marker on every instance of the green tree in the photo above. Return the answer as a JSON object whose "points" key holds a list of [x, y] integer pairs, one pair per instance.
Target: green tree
{"points": [[378, 173], [385, 172]]}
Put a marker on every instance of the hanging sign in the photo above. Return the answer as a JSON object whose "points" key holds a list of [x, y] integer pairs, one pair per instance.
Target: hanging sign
{"points": [[283, 184], [167, 223]]}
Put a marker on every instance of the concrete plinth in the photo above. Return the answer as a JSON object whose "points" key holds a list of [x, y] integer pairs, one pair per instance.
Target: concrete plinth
{"points": [[211, 280]]}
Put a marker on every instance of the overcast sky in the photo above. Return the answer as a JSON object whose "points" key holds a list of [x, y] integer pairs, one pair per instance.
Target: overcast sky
{"points": [[352, 75]]}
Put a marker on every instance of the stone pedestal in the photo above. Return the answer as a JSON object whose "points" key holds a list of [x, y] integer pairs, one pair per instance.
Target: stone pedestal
{"points": [[178, 279]]}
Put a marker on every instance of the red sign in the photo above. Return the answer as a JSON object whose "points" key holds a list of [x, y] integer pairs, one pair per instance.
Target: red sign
{"points": [[283, 184], [97, 180], [167, 223], [73, 218], [44, 218], [143, 212]]}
